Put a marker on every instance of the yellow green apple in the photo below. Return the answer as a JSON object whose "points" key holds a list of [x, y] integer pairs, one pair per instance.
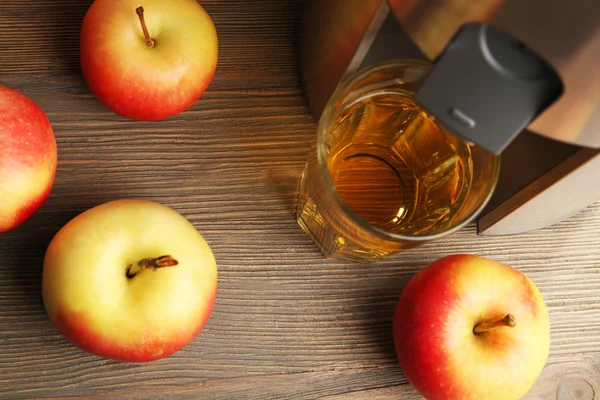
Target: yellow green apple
{"points": [[148, 59], [467, 327], [131, 280], [27, 158]]}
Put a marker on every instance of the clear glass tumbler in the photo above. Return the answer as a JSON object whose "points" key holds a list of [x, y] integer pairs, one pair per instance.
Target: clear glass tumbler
{"points": [[383, 176]]}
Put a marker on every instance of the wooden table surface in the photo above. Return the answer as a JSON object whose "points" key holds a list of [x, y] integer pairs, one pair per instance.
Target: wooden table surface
{"points": [[287, 324]]}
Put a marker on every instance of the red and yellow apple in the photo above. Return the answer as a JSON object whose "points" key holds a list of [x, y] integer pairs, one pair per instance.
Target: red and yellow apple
{"points": [[466, 327], [27, 158], [130, 280], [148, 59]]}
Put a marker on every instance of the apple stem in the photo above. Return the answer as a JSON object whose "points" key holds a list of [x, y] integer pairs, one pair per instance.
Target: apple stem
{"points": [[140, 13], [486, 326], [150, 263]]}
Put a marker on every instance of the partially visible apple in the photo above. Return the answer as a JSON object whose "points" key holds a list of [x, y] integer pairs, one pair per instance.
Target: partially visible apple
{"points": [[130, 280], [467, 327], [27, 158], [152, 65]]}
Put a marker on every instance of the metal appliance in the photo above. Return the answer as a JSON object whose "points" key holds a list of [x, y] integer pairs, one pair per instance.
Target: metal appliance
{"points": [[551, 169]]}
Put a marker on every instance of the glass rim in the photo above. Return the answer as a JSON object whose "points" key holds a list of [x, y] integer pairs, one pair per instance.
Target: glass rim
{"points": [[327, 119]]}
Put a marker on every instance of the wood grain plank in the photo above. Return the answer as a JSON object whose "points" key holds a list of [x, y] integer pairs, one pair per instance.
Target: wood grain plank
{"points": [[300, 386], [568, 381], [287, 323]]}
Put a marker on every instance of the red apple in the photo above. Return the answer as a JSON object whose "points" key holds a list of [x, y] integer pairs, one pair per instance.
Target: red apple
{"points": [[27, 158], [148, 59], [130, 280], [467, 327]]}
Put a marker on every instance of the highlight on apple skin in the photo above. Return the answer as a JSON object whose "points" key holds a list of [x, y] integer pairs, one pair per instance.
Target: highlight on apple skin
{"points": [[27, 159], [148, 60], [467, 327], [131, 280]]}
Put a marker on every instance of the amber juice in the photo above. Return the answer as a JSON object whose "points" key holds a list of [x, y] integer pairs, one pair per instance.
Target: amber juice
{"points": [[395, 167], [383, 176]]}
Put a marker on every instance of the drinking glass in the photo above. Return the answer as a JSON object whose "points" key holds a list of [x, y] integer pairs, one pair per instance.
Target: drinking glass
{"points": [[382, 176]]}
